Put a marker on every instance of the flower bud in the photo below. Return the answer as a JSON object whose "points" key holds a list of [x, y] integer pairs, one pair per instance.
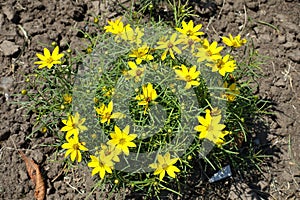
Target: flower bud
{"points": [[24, 92]]}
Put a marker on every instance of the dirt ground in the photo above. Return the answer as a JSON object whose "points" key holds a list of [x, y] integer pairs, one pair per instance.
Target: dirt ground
{"points": [[26, 27]]}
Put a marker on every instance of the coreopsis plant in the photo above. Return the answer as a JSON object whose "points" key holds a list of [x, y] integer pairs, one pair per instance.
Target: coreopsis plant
{"points": [[148, 96], [73, 125], [167, 83], [235, 42], [210, 128], [122, 139], [188, 75], [135, 72], [74, 147], [165, 164], [101, 164], [48, 59], [106, 113], [141, 53], [169, 46]]}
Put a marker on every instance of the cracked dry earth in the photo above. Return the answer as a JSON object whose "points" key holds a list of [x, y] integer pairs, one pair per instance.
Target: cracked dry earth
{"points": [[26, 27]]}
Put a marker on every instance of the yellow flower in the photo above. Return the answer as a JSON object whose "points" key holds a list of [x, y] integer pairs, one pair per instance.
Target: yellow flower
{"points": [[133, 36], [231, 92], [190, 42], [210, 128], [135, 72], [234, 41], [209, 52], [165, 164], [106, 114], [189, 29], [170, 46], [67, 98], [74, 147], [149, 95], [188, 75], [48, 60], [115, 27], [111, 150], [141, 54], [122, 139], [101, 164], [223, 65], [73, 125]]}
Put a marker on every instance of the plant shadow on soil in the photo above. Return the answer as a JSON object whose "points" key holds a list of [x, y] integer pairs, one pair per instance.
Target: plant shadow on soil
{"points": [[197, 184], [15, 128]]}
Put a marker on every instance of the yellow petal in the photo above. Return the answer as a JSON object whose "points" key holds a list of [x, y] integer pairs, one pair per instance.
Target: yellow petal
{"points": [[161, 175], [47, 53]]}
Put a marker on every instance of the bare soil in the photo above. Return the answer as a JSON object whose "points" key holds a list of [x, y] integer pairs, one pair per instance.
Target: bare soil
{"points": [[26, 27]]}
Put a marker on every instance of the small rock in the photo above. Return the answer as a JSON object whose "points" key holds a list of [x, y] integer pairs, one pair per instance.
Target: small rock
{"points": [[57, 185], [256, 30], [96, 7], [19, 138], [241, 191], [9, 48], [219, 2], [253, 5], [294, 56], [290, 45], [283, 120], [263, 185], [281, 39], [280, 83], [54, 170], [290, 37], [38, 40], [23, 175], [9, 12], [14, 129], [37, 156], [265, 37], [64, 43], [77, 44], [291, 27], [34, 27], [281, 17]]}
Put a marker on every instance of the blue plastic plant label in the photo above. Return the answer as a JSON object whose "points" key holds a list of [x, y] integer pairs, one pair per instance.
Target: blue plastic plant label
{"points": [[223, 173]]}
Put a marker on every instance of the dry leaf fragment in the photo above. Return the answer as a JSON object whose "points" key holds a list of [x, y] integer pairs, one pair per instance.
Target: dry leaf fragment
{"points": [[36, 177]]}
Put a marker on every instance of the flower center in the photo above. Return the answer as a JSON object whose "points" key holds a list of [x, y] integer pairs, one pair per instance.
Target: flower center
{"points": [[74, 125], [107, 115], [122, 141], [210, 127], [188, 78], [170, 45], [139, 72], [219, 64], [209, 53], [75, 146], [101, 164], [165, 166], [49, 60], [189, 33], [190, 42]]}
